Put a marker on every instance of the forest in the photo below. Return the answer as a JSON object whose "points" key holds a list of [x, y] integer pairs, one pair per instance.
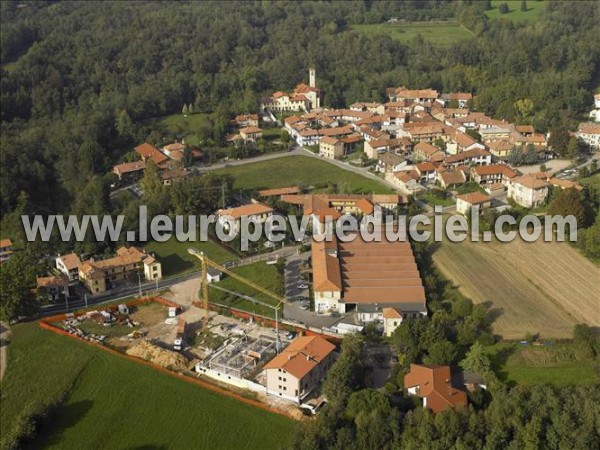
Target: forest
{"points": [[79, 79]]}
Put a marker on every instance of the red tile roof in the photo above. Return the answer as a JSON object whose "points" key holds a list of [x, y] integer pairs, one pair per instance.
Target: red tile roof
{"points": [[302, 355], [434, 384]]}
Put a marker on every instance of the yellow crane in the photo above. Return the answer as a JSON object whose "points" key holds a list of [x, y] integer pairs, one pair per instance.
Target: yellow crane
{"points": [[205, 263]]}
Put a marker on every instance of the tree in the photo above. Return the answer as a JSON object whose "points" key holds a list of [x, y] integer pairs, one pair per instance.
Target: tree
{"points": [[559, 140], [574, 148], [17, 278], [572, 202], [345, 375], [503, 8], [524, 108], [476, 360], [442, 353], [524, 6], [593, 166]]}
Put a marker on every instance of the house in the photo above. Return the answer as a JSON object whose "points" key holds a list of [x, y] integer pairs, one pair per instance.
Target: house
{"points": [[303, 98], [69, 265], [100, 276], [246, 120], [251, 134], [129, 172], [407, 179], [589, 132], [279, 192], [6, 250], [451, 178], [434, 385], [427, 152], [374, 147], [461, 98], [415, 95], [426, 171], [474, 157], [597, 101], [500, 148], [150, 152], [388, 162], [392, 318], [424, 131], [460, 142], [494, 173], [528, 191], [365, 276], [331, 147], [253, 212], [172, 175], [213, 275], [52, 287], [466, 202], [298, 371]]}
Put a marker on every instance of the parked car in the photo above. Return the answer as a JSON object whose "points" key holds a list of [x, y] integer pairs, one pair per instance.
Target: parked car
{"points": [[302, 286], [304, 306], [290, 335]]}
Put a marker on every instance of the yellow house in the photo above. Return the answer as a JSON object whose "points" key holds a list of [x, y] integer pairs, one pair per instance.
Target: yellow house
{"points": [[392, 318], [331, 148]]}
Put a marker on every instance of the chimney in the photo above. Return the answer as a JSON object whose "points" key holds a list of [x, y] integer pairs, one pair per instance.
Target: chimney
{"points": [[312, 77]]}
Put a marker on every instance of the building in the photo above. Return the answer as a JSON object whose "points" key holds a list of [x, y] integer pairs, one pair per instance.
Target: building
{"points": [[100, 276], [589, 133], [392, 318], [150, 152], [426, 171], [473, 157], [253, 212], [528, 191], [451, 178], [500, 148], [434, 385], [389, 162], [53, 288], [297, 372], [331, 147], [246, 120], [427, 152], [213, 275], [415, 95], [365, 277], [129, 172], [251, 134], [466, 202], [461, 98], [494, 173], [278, 192], [6, 250], [69, 265], [303, 98]]}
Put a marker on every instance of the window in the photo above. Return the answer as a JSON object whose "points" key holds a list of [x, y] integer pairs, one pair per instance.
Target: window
{"points": [[284, 388], [279, 378]]}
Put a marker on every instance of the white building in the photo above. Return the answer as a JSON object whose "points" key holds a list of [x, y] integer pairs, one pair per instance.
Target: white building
{"points": [[69, 265]]}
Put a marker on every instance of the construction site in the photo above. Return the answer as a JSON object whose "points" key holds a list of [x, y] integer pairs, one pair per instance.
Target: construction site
{"points": [[191, 340]]}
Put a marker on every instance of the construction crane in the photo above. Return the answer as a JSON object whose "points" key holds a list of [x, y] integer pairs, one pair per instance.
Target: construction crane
{"points": [[205, 263]]}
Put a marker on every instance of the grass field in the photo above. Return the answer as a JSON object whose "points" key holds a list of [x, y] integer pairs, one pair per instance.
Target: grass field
{"points": [[114, 403], [536, 287], [436, 33], [263, 274], [184, 126], [300, 170], [175, 258], [533, 13], [518, 364]]}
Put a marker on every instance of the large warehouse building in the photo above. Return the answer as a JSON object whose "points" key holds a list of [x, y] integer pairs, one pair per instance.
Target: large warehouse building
{"points": [[366, 277]]}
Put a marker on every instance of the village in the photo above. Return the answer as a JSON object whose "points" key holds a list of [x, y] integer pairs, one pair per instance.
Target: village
{"points": [[424, 145]]}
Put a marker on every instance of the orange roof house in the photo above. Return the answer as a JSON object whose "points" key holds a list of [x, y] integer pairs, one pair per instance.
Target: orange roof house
{"points": [[434, 385], [148, 151], [253, 209]]}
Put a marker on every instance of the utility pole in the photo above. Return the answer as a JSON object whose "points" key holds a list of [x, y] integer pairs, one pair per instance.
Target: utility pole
{"points": [[140, 283], [223, 187], [86, 300]]}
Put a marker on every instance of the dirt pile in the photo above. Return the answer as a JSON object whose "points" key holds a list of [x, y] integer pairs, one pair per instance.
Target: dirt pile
{"points": [[158, 355]]}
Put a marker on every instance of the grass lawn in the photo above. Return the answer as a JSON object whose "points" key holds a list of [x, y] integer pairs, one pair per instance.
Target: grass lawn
{"points": [[533, 13], [175, 258], [114, 403], [186, 126], [300, 170], [434, 200], [592, 183], [527, 364], [260, 273], [436, 33]]}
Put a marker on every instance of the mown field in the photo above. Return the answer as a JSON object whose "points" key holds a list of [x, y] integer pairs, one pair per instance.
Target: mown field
{"points": [[436, 33], [527, 364], [533, 13], [536, 287], [180, 125], [300, 170], [114, 403], [264, 275], [175, 258]]}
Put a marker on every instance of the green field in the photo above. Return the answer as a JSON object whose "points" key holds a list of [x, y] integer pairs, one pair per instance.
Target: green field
{"points": [[180, 125], [114, 403], [436, 33], [527, 364], [533, 13], [300, 170], [262, 274], [175, 258]]}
